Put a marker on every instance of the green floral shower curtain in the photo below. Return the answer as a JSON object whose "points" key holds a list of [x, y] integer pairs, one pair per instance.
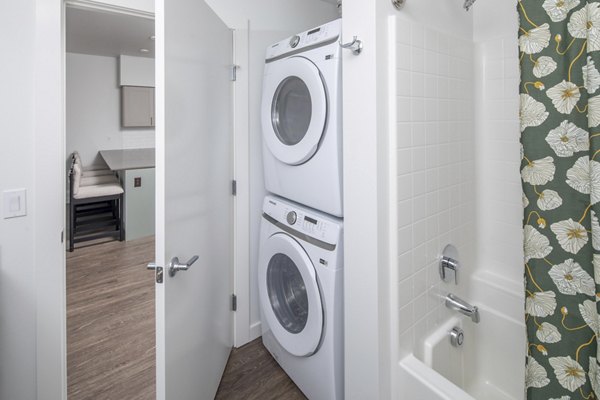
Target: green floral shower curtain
{"points": [[559, 43]]}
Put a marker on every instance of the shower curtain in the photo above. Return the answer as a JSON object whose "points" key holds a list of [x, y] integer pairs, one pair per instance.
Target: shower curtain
{"points": [[559, 43]]}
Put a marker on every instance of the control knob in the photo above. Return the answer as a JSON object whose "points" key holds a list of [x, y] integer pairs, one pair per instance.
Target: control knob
{"points": [[292, 217], [294, 41]]}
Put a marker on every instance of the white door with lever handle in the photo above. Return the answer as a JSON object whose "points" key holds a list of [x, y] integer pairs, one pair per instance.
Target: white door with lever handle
{"points": [[194, 202]]}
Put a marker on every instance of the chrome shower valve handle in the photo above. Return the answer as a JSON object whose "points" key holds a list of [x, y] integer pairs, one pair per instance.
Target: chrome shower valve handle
{"points": [[446, 264]]}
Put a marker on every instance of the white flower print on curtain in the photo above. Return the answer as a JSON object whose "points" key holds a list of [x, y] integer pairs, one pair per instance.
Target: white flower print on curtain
{"points": [[559, 43]]}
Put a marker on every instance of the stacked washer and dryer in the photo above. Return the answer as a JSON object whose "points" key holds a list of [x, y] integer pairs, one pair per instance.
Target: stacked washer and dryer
{"points": [[300, 257]]}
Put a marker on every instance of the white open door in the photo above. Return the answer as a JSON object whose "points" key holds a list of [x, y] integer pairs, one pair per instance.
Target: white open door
{"points": [[194, 204]]}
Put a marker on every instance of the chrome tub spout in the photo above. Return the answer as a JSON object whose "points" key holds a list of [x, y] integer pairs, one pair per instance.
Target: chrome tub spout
{"points": [[457, 304]]}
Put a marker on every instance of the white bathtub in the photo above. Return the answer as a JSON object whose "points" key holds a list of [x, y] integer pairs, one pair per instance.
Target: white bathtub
{"points": [[491, 363]]}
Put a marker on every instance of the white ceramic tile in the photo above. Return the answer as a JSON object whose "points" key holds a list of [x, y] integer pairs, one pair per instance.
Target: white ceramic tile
{"points": [[417, 35], [417, 109], [431, 40], [405, 239], [419, 232], [403, 83], [419, 258], [403, 32], [419, 158], [404, 161], [405, 292], [403, 112], [417, 59], [405, 213], [403, 57], [419, 183], [431, 66], [405, 318], [405, 187], [420, 311], [417, 84], [419, 134], [403, 134], [435, 152], [431, 86]]}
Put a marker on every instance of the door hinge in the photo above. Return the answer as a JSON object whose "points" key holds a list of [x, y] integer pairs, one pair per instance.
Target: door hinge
{"points": [[234, 69], [62, 236], [233, 302], [234, 187]]}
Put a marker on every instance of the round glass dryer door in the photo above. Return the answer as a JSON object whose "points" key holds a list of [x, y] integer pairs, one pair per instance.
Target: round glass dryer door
{"points": [[289, 295], [294, 109]]}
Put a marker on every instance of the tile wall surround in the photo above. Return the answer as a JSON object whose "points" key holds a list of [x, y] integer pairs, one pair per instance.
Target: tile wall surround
{"points": [[500, 209], [435, 171]]}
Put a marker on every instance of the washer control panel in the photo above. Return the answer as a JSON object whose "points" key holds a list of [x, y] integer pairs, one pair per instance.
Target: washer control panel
{"points": [[311, 223], [321, 34]]}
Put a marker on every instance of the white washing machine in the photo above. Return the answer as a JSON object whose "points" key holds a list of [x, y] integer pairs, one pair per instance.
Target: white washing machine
{"points": [[300, 291], [302, 119]]}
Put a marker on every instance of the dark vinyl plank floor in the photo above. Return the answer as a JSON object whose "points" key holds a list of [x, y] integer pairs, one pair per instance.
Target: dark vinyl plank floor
{"points": [[110, 322], [252, 374], [111, 332]]}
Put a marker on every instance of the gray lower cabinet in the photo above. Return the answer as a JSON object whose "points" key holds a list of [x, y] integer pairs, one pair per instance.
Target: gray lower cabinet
{"points": [[139, 185], [137, 106]]}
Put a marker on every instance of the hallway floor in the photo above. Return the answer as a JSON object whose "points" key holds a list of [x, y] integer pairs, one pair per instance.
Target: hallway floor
{"points": [[110, 321], [111, 332]]}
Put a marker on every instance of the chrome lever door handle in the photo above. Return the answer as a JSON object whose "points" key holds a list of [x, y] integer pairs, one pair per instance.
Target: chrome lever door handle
{"points": [[176, 266]]}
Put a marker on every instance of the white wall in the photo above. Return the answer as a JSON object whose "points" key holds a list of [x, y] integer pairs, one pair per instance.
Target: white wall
{"points": [[283, 15], [141, 5], [500, 208], [94, 109], [442, 15], [136, 71], [17, 289], [32, 342]]}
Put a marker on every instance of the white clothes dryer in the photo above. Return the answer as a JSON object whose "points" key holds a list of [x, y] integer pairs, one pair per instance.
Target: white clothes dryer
{"points": [[302, 119], [300, 291]]}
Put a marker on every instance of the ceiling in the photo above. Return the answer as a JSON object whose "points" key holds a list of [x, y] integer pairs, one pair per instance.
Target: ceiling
{"points": [[108, 34]]}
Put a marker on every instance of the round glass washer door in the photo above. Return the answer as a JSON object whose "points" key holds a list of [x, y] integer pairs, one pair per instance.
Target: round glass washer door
{"points": [[294, 109], [290, 296]]}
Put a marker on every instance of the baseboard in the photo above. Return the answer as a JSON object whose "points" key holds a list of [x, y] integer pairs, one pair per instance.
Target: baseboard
{"points": [[255, 331]]}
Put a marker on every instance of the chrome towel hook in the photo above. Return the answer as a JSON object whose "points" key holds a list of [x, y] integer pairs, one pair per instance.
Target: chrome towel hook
{"points": [[356, 45]]}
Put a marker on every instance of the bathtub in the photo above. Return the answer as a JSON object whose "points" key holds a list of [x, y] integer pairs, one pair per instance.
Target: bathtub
{"points": [[491, 363]]}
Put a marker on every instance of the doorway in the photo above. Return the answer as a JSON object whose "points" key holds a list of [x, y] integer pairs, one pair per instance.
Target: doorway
{"points": [[109, 142]]}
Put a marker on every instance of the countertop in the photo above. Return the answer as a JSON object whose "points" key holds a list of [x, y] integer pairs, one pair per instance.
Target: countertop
{"points": [[119, 160]]}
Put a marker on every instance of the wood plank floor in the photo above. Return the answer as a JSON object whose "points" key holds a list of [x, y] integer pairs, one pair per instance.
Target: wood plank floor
{"points": [[110, 322], [111, 332], [252, 374]]}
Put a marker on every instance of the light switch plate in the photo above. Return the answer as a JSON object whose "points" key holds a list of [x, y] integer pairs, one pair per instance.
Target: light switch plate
{"points": [[14, 203]]}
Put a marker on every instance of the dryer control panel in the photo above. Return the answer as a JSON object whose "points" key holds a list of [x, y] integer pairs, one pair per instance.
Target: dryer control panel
{"points": [[311, 223], [323, 34]]}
